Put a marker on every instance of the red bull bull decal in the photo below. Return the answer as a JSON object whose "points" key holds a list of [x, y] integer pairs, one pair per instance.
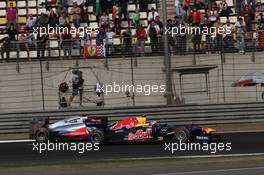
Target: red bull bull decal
{"points": [[128, 123], [140, 134]]}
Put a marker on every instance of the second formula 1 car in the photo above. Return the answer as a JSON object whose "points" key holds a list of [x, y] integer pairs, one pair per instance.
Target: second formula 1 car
{"points": [[131, 129]]}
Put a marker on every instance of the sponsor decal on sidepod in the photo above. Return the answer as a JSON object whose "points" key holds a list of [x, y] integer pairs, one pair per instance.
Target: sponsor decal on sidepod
{"points": [[140, 134]]}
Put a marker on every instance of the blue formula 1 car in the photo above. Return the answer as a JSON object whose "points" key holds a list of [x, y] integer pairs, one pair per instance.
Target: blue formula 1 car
{"points": [[131, 129]]}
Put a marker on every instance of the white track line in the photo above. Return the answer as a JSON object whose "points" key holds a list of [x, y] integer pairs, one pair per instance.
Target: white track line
{"points": [[245, 131], [213, 171], [16, 141], [193, 157]]}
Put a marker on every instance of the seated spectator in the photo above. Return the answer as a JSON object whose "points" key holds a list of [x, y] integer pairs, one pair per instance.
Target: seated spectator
{"points": [[31, 41], [260, 19], [252, 4], [61, 9], [224, 10], [160, 24], [53, 19], [81, 3], [136, 18], [259, 7], [178, 8], [195, 16], [160, 33], [86, 39], [116, 19], [97, 9], [218, 37], [197, 38], [63, 20], [152, 15], [182, 41], [64, 2], [66, 43], [248, 14], [153, 31], [171, 40], [239, 7], [100, 36], [103, 4], [143, 5], [11, 15], [76, 15], [228, 36], [213, 6], [186, 6], [115, 9], [12, 32], [240, 28], [23, 43], [199, 5], [141, 38], [127, 41], [5, 48], [110, 4], [104, 21], [208, 36], [41, 43], [109, 43], [31, 22], [124, 5], [43, 20], [22, 38], [212, 16]]}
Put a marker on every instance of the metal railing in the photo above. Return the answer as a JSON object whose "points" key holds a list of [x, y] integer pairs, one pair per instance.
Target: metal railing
{"points": [[178, 45], [18, 122]]}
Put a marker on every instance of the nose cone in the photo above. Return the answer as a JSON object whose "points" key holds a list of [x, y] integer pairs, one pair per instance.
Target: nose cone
{"points": [[209, 130]]}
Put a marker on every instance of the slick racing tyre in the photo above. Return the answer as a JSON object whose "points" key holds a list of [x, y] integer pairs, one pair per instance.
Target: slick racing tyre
{"points": [[97, 137], [42, 135], [182, 134]]}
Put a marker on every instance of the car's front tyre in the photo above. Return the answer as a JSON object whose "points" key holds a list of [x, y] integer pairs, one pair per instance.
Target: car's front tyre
{"points": [[182, 134]]}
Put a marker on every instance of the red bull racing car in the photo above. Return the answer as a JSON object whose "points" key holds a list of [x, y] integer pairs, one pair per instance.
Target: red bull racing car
{"points": [[131, 129]]}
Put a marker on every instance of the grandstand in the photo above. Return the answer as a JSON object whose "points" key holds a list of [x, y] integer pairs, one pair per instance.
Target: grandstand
{"points": [[27, 7], [35, 8]]}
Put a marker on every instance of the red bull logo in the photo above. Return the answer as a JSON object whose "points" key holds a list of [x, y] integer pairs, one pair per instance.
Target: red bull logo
{"points": [[128, 123], [140, 134]]}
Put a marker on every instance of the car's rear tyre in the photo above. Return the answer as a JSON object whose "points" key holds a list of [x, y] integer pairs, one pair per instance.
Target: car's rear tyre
{"points": [[97, 137], [42, 135], [182, 134]]}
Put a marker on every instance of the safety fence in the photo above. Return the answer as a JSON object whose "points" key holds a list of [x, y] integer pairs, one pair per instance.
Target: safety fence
{"points": [[35, 85], [119, 46], [18, 122]]}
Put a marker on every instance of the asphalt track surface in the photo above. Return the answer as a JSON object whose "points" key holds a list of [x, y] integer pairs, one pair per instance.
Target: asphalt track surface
{"points": [[242, 143]]}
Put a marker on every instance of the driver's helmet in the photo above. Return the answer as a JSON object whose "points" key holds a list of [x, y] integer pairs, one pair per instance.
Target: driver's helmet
{"points": [[84, 114], [144, 115]]}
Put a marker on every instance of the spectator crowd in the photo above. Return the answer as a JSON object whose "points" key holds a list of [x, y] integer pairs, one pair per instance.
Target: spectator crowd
{"points": [[112, 14]]}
